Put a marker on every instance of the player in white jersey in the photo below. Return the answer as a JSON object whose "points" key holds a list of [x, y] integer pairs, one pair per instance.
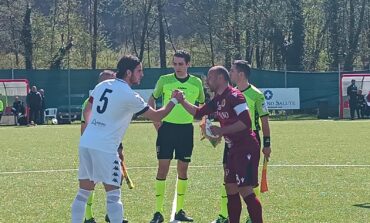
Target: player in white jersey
{"points": [[107, 120]]}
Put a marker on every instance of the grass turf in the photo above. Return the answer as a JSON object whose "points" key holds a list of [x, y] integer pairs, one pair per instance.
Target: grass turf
{"points": [[296, 193]]}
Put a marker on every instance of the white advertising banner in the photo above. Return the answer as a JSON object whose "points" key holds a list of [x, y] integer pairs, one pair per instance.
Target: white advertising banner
{"points": [[281, 98], [276, 98]]}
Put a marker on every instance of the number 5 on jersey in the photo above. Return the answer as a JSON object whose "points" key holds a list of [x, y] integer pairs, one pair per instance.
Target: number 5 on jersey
{"points": [[104, 99]]}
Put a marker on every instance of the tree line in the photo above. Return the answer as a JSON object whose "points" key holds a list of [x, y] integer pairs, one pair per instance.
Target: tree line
{"points": [[301, 35]]}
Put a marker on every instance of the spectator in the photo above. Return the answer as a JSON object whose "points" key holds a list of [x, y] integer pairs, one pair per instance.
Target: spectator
{"points": [[361, 104], [34, 103], [43, 107], [367, 99], [17, 109], [352, 93]]}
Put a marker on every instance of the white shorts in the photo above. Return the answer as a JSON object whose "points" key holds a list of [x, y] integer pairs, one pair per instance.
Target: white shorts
{"points": [[98, 166]]}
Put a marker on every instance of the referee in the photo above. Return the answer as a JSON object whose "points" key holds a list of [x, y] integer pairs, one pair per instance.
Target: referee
{"points": [[176, 132]]}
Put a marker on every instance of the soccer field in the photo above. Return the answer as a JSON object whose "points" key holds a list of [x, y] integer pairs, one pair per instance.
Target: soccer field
{"points": [[319, 172]]}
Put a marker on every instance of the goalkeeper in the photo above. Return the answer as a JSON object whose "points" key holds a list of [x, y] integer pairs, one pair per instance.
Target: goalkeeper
{"points": [[89, 216], [241, 170], [239, 74]]}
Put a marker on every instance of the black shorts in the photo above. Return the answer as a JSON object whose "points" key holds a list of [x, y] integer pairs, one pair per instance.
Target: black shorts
{"points": [[175, 137], [224, 158]]}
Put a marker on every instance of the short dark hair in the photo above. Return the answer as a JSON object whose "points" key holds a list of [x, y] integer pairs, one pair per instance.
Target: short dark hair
{"points": [[221, 70], [103, 75], [183, 54], [127, 62], [243, 66]]}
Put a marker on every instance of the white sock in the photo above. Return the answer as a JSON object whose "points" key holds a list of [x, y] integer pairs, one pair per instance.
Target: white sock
{"points": [[114, 206], [79, 205]]}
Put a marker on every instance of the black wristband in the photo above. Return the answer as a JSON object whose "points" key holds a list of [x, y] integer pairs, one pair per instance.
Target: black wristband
{"points": [[266, 141]]}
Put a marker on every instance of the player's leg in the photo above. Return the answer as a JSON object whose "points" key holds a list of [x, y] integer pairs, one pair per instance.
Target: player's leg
{"points": [[114, 203], [253, 204], [108, 171], [234, 205], [160, 189], [121, 157], [182, 184], [86, 185], [160, 186], [89, 214], [165, 149], [247, 179], [79, 203], [223, 215], [256, 188], [183, 151]]}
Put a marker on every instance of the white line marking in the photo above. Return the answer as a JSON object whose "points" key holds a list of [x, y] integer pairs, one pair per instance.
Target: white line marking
{"points": [[37, 171], [319, 165], [210, 166], [174, 203]]}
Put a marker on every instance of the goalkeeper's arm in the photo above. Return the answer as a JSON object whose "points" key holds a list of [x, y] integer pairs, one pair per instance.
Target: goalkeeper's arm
{"points": [[192, 109], [197, 112]]}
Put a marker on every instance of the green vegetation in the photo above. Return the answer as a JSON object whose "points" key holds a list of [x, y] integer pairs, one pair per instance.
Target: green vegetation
{"points": [[311, 35]]}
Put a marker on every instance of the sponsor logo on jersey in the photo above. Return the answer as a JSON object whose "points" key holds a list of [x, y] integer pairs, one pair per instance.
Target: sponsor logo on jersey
{"points": [[221, 105], [222, 115], [98, 123]]}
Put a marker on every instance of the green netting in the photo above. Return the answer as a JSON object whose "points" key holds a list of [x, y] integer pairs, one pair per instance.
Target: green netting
{"points": [[314, 87]]}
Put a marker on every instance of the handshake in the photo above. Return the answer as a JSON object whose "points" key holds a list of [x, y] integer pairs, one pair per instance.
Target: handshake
{"points": [[177, 96]]}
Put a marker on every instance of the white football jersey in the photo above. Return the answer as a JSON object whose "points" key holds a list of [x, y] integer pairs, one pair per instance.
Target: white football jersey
{"points": [[113, 105]]}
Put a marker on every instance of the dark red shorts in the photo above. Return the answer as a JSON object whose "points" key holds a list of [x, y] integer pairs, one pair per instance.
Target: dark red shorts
{"points": [[242, 166]]}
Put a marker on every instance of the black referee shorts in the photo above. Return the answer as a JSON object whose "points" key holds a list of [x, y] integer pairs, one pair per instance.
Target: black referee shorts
{"points": [[176, 138], [226, 149]]}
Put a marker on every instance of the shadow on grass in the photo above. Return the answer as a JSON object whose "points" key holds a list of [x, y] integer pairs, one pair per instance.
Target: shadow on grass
{"points": [[364, 205]]}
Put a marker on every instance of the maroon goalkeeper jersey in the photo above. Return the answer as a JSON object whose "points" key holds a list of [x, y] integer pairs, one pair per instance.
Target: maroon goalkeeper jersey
{"points": [[230, 107]]}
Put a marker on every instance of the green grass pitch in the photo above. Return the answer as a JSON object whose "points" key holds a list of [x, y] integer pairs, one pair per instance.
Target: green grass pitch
{"points": [[319, 172]]}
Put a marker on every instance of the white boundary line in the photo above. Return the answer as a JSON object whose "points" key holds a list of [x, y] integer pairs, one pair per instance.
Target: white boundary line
{"points": [[174, 202], [209, 166]]}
